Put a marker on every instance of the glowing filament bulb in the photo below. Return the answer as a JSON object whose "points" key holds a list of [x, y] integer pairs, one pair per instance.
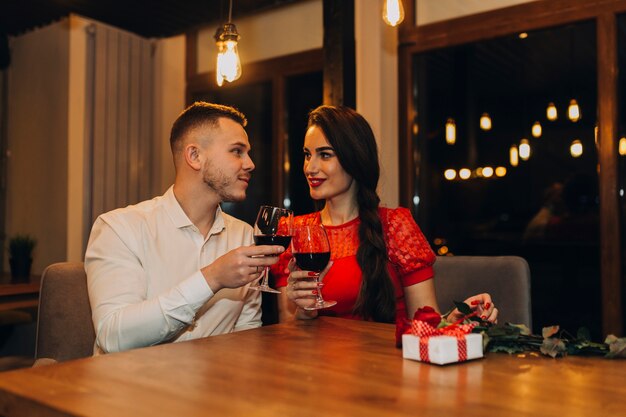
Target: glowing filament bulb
{"points": [[451, 132], [551, 112], [514, 156], [573, 111], [393, 12], [485, 122], [536, 130], [524, 150], [449, 174], [465, 173], [228, 65], [576, 148]]}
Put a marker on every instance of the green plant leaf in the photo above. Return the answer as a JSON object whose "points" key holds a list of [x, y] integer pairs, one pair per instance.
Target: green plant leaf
{"points": [[463, 308], [21, 246], [583, 334], [523, 329], [510, 349]]}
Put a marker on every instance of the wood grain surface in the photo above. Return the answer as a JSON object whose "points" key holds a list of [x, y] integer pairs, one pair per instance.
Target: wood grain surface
{"points": [[329, 367]]}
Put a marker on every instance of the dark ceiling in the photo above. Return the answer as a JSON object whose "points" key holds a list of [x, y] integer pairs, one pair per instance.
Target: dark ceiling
{"points": [[148, 18]]}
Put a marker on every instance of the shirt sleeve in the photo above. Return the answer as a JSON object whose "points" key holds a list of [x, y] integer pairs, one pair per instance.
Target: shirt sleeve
{"points": [[408, 249], [123, 316]]}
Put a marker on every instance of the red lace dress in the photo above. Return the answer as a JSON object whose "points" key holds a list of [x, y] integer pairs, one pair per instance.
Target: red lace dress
{"points": [[409, 255]]}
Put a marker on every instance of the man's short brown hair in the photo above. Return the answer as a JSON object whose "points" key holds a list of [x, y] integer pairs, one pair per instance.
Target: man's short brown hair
{"points": [[202, 113]]}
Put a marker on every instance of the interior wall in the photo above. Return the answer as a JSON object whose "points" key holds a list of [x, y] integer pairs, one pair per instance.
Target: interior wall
{"points": [[377, 91], [430, 11], [49, 161], [77, 152], [37, 166], [169, 93]]}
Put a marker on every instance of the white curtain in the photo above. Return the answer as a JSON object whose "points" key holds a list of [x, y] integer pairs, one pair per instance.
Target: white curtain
{"points": [[119, 119]]}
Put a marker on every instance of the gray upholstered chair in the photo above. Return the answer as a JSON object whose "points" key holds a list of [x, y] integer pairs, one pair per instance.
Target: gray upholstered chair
{"points": [[64, 327], [505, 278]]}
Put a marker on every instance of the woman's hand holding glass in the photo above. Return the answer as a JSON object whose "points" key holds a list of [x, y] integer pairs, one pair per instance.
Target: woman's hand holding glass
{"points": [[302, 286], [311, 251]]}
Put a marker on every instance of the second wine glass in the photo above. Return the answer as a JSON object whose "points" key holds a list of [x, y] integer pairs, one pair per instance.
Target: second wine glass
{"points": [[311, 249], [273, 226]]}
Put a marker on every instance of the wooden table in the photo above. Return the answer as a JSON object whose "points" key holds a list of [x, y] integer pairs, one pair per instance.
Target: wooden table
{"points": [[324, 367], [18, 295]]}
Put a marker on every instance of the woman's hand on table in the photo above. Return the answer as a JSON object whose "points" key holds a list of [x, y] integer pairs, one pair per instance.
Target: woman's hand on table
{"points": [[481, 304]]}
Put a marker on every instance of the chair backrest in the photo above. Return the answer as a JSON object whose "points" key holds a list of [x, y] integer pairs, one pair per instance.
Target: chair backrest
{"points": [[505, 278], [64, 327]]}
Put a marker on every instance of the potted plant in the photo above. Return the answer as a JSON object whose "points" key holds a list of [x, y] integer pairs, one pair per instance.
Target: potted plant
{"points": [[21, 256]]}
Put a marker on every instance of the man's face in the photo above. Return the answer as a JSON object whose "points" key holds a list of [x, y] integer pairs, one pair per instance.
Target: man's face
{"points": [[227, 166]]}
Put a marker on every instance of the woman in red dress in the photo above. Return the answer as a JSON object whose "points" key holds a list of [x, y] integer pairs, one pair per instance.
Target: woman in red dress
{"points": [[381, 263]]}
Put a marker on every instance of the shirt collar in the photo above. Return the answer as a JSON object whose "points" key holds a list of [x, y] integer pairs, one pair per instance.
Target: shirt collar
{"points": [[180, 219]]}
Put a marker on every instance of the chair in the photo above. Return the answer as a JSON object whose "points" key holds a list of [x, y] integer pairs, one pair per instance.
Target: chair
{"points": [[505, 278], [64, 327]]}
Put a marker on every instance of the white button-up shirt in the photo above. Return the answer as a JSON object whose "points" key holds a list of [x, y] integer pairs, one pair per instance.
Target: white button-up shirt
{"points": [[145, 286]]}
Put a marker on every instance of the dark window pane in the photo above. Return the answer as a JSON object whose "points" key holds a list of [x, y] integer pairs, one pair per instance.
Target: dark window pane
{"points": [[545, 209], [304, 93]]}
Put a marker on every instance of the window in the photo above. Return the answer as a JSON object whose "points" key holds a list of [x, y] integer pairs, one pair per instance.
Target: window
{"points": [[471, 198]]}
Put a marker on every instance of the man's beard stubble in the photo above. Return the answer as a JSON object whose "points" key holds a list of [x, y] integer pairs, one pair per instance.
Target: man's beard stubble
{"points": [[219, 182]]}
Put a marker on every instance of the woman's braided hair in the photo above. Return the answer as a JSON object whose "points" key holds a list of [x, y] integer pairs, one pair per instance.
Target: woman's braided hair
{"points": [[355, 146]]}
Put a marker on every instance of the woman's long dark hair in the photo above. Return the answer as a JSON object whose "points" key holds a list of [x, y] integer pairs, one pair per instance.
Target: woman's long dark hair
{"points": [[355, 146]]}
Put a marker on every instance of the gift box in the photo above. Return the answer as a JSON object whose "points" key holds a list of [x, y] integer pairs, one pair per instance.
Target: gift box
{"points": [[442, 349]]}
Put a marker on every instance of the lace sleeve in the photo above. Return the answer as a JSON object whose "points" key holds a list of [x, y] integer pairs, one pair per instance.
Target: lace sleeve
{"points": [[407, 247]]}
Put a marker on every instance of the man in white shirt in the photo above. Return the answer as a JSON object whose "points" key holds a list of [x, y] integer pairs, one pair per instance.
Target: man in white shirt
{"points": [[176, 267]]}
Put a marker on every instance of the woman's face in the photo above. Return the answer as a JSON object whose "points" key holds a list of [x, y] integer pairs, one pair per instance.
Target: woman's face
{"points": [[326, 177]]}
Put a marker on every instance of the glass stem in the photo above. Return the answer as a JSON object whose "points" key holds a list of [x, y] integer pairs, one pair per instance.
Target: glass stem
{"points": [[320, 300], [266, 273]]}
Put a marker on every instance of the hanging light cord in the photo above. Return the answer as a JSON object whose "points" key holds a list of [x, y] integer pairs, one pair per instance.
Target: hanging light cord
{"points": [[230, 11]]}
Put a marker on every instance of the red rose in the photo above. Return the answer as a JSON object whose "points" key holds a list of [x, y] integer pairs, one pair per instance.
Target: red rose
{"points": [[429, 315]]}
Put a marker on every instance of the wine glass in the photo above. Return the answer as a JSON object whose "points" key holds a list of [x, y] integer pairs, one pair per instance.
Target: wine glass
{"points": [[312, 252], [273, 226]]}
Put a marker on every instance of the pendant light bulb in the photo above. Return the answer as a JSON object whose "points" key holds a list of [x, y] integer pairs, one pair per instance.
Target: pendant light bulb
{"points": [[536, 130], [450, 132], [449, 174], [485, 122], [576, 148], [551, 112], [524, 150], [573, 111], [393, 12], [514, 156], [228, 62]]}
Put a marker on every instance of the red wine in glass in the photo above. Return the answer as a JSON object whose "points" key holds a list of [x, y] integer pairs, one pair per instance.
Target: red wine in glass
{"points": [[272, 240], [311, 250], [273, 226], [313, 261]]}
